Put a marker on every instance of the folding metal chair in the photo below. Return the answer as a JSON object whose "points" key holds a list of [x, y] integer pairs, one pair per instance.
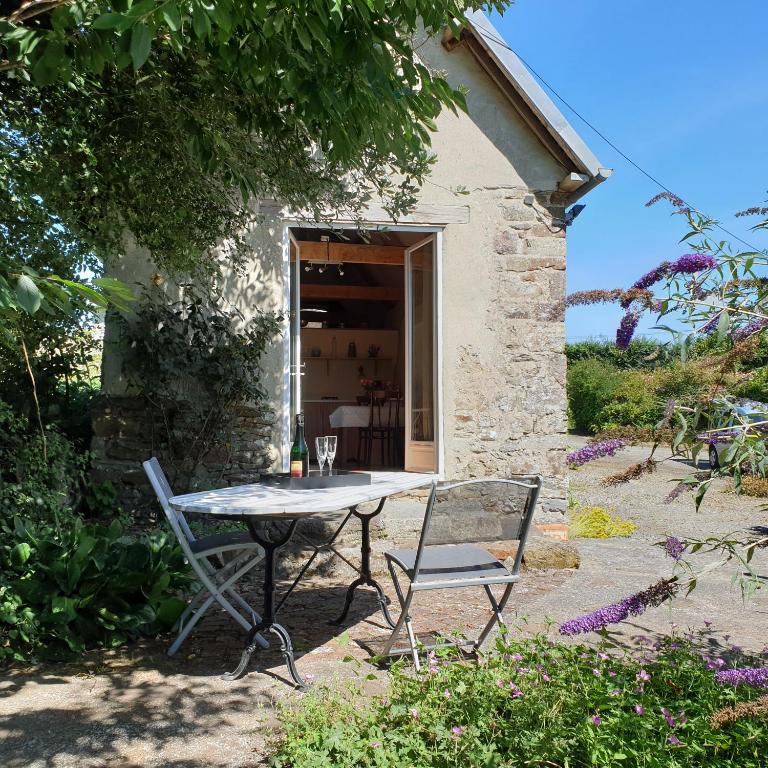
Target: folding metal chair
{"points": [[457, 515], [216, 581]]}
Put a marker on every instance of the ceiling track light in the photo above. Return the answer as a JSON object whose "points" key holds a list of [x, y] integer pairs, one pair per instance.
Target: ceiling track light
{"points": [[341, 269]]}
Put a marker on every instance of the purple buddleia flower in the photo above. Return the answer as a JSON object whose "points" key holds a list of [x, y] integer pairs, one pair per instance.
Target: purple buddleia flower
{"points": [[656, 274], [753, 676], [594, 451], [633, 605], [674, 547], [739, 334], [692, 262], [626, 329], [676, 201], [710, 326], [676, 492]]}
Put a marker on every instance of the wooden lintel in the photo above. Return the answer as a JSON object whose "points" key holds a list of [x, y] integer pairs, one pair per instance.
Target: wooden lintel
{"points": [[351, 253], [351, 292]]}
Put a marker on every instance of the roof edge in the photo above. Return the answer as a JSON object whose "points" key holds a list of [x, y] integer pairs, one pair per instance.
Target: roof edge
{"points": [[551, 118]]}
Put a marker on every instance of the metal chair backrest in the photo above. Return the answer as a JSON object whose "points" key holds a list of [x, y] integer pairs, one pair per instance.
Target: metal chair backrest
{"points": [[163, 492], [472, 511]]}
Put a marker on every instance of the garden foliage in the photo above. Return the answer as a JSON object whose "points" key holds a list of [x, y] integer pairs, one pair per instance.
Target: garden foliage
{"points": [[195, 361], [537, 703], [66, 586]]}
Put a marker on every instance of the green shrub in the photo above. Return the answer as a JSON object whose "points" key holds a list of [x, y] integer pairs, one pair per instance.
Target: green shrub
{"points": [[635, 403], [599, 523], [641, 397], [591, 385], [644, 354], [754, 388], [535, 703], [634, 435], [69, 586], [34, 485]]}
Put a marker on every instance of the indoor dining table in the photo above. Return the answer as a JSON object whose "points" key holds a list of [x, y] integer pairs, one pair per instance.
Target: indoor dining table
{"points": [[264, 508]]}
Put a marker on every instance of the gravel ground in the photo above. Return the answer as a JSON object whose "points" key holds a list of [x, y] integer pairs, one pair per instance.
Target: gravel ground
{"points": [[614, 568], [136, 707]]}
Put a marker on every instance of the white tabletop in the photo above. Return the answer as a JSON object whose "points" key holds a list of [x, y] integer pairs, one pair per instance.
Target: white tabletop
{"points": [[272, 502]]}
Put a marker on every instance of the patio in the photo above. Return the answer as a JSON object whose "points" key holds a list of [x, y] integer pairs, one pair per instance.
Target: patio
{"points": [[137, 707]]}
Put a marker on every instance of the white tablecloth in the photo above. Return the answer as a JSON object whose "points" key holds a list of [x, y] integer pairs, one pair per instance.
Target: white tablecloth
{"points": [[357, 416]]}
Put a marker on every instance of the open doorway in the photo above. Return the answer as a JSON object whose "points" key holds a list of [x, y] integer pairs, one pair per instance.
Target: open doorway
{"points": [[364, 344]]}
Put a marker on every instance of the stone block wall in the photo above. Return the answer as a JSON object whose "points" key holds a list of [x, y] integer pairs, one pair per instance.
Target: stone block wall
{"points": [[508, 378], [127, 431]]}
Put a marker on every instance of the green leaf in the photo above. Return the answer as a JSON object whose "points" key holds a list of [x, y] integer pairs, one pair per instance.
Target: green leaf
{"points": [[169, 610], [20, 553], [172, 17], [304, 37], [108, 21], [723, 324], [201, 24], [28, 294], [141, 44], [47, 66]]}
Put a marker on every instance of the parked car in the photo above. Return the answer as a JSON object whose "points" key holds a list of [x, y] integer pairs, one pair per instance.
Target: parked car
{"points": [[734, 417]]}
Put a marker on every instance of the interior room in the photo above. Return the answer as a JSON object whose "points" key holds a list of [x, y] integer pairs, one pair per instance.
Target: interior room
{"points": [[352, 348]]}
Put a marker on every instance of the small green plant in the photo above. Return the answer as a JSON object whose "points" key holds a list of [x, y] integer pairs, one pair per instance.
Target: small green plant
{"points": [[537, 703], [68, 586], [599, 523]]}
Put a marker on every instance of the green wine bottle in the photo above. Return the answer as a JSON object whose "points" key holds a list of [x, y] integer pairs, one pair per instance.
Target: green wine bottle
{"points": [[299, 450]]}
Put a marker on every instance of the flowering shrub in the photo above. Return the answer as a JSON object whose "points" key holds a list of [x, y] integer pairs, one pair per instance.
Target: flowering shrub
{"points": [[754, 486], [599, 523], [593, 451], [539, 703]]}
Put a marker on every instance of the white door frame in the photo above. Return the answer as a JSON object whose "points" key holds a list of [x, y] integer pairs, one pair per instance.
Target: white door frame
{"points": [[288, 237], [429, 449]]}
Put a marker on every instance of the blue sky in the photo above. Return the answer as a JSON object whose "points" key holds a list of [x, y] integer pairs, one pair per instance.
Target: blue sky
{"points": [[681, 86]]}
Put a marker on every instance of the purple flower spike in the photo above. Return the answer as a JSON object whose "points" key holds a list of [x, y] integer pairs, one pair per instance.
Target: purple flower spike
{"points": [[739, 334], [674, 547], [692, 262], [656, 274], [633, 605], [594, 451], [752, 676], [626, 329]]}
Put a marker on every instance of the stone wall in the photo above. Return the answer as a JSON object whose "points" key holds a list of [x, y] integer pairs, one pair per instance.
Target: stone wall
{"points": [[508, 384], [127, 431]]}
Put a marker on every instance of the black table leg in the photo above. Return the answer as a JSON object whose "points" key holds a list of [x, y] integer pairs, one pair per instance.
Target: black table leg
{"points": [[268, 623], [366, 577]]}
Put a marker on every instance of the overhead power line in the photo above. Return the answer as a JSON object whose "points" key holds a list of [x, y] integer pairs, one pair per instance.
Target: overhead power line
{"points": [[610, 143]]}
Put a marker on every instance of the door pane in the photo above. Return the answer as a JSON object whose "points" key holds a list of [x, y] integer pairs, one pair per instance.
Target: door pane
{"points": [[422, 344]]}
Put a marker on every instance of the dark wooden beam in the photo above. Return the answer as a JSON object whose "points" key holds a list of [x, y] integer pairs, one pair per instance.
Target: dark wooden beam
{"points": [[351, 253], [351, 292]]}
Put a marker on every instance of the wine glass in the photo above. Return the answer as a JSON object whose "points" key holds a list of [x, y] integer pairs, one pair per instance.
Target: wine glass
{"points": [[321, 449], [331, 452]]}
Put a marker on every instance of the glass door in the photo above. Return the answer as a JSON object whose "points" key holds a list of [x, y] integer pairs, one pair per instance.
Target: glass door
{"points": [[421, 357]]}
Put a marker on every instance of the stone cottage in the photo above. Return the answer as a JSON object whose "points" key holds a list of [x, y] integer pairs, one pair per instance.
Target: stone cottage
{"points": [[458, 308]]}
